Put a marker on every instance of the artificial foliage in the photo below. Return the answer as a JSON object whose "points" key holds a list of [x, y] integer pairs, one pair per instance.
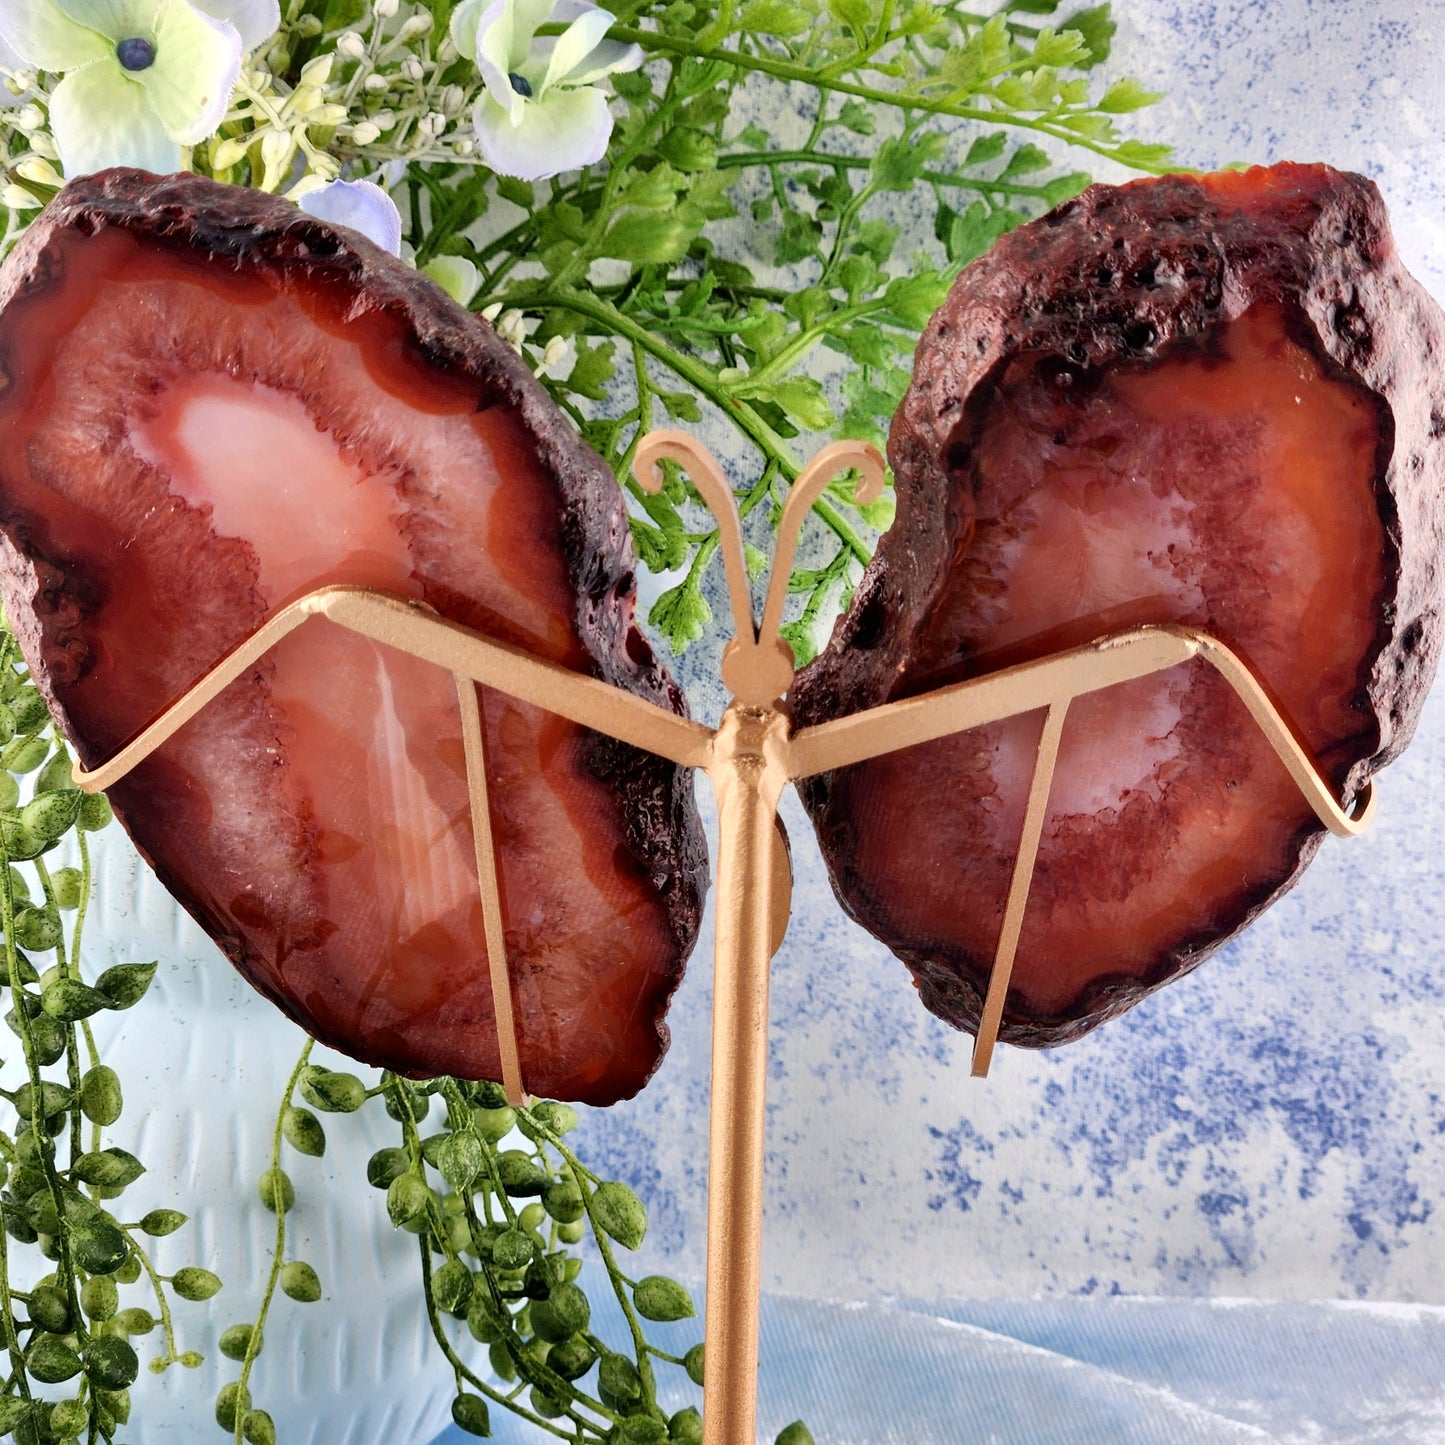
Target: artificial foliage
{"points": [[716, 267]]}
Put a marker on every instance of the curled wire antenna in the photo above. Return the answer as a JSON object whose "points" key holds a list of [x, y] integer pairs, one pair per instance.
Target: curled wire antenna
{"points": [[757, 665]]}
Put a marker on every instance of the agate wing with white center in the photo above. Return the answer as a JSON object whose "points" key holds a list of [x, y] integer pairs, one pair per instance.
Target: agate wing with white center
{"points": [[211, 404]]}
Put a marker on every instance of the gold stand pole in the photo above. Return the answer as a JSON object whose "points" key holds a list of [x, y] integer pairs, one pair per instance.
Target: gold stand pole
{"points": [[748, 775], [751, 757]]}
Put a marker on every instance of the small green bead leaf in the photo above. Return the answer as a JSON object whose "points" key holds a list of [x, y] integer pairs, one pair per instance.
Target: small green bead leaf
{"points": [[195, 1284], [685, 1428], [277, 1192], [136, 1321], [300, 1282], [101, 1100], [795, 1434], [234, 1399], [571, 1358], [640, 1430], [452, 1287], [520, 1174], [332, 1092], [692, 1362], [95, 813], [512, 1249], [51, 1360], [99, 1298], [385, 1166], [236, 1340], [469, 1413], [160, 1222], [564, 1202], [618, 1376], [460, 1158], [304, 1132], [126, 984], [662, 1299], [110, 1168], [258, 1428], [110, 1363], [620, 1214], [49, 815], [98, 1247], [407, 1199], [50, 1310]]}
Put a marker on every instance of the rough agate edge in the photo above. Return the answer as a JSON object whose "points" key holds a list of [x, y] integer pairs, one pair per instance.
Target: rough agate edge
{"points": [[1175, 297], [157, 337]]}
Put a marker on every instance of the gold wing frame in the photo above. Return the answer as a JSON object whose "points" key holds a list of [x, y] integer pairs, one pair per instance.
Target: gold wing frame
{"points": [[750, 757]]}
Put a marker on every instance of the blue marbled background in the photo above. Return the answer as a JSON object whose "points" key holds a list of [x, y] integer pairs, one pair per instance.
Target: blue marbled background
{"points": [[1272, 1126]]}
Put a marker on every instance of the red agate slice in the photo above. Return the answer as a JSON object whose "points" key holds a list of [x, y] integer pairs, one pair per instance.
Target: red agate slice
{"points": [[212, 404], [1214, 401]]}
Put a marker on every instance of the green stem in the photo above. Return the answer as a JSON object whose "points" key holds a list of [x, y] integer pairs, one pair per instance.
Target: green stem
{"points": [[279, 1253], [653, 42], [734, 160]]}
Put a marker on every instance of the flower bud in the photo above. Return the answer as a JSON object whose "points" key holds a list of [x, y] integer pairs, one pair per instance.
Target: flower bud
{"points": [[39, 171], [316, 73], [363, 135], [417, 25], [229, 152], [350, 46], [17, 198], [376, 83]]}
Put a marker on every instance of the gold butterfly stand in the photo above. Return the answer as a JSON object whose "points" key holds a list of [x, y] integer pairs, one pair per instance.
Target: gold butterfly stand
{"points": [[750, 758]]}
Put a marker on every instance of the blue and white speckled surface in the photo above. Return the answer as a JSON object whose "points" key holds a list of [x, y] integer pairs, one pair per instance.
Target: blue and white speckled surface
{"points": [[1270, 1129]]}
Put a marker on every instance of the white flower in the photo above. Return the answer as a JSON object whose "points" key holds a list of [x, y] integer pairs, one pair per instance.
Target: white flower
{"points": [[139, 78], [362, 206], [541, 113]]}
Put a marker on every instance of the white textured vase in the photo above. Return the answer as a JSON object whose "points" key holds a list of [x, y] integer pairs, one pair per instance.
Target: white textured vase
{"points": [[204, 1061]]}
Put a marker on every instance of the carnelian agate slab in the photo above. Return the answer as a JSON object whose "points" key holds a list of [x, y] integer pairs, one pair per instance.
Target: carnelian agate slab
{"points": [[213, 404], [1213, 401]]}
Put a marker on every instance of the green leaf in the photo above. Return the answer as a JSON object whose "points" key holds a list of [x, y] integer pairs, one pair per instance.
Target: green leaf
{"points": [[1142, 155], [901, 160], [645, 238], [688, 148], [1126, 95], [1095, 27], [681, 614], [855, 14], [681, 405], [125, 984], [783, 18], [857, 117], [914, 299], [518, 192], [801, 399], [620, 1214], [986, 148], [594, 368], [1024, 161], [662, 1299]]}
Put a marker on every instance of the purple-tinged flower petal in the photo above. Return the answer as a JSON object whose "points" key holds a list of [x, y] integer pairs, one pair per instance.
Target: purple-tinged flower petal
{"points": [[256, 21], [362, 206]]}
